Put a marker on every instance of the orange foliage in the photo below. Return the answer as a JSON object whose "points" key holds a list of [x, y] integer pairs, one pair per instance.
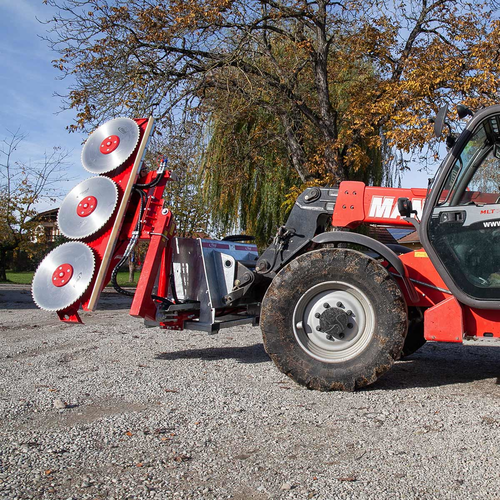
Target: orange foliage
{"points": [[335, 75]]}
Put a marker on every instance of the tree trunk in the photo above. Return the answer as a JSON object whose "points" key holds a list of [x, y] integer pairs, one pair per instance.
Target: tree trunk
{"points": [[329, 118], [3, 260], [131, 269], [295, 149]]}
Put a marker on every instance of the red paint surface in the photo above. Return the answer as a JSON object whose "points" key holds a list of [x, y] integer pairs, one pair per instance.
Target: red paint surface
{"points": [[86, 206], [360, 204], [444, 321], [109, 144], [62, 275]]}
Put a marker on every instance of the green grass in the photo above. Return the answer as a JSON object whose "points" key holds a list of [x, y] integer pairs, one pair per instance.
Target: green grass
{"points": [[26, 277], [122, 278]]}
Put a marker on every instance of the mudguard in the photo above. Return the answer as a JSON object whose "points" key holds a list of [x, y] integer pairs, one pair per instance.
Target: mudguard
{"points": [[376, 246]]}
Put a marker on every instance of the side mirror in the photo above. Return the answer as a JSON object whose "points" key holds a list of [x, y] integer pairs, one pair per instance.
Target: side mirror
{"points": [[463, 111], [405, 207], [450, 141], [440, 120]]}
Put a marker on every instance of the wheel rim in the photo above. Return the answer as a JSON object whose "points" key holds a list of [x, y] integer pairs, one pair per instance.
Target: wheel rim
{"points": [[336, 342]]}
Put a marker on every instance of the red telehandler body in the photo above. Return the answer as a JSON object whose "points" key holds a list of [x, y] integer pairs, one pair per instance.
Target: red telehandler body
{"points": [[336, 307]]}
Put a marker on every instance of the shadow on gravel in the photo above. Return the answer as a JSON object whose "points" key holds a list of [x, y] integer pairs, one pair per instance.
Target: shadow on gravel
{"points": [[248, 354], [16, 298], [436, 365], [111, 300], [19, 297]]}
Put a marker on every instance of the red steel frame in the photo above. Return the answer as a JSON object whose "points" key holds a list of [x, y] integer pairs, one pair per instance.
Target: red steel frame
{"points": [[157, 226]]}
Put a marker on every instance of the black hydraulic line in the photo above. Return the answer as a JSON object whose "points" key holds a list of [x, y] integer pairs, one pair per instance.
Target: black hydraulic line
{"points": [[130, 247], [160, 172]]}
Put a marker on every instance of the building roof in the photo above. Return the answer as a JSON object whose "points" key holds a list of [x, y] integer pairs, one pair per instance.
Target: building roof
{"points": [[410, 238], [46, 216], [393, 235]]}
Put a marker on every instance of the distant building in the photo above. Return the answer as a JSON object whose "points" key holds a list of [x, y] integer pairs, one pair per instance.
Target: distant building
{"points": [[411, 241], [47, 225]]}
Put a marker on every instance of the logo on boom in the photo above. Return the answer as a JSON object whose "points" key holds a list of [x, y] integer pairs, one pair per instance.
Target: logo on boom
{"points": [[386, 207]]}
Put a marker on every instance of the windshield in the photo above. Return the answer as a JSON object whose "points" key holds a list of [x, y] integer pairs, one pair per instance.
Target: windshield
{"points": [[472, 156], [469, 156]]}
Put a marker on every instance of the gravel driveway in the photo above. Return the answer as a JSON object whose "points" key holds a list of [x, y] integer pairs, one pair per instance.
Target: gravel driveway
{"points": [[112, 409]]}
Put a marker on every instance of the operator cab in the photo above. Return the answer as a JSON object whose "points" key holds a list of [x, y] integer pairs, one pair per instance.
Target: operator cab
{"points": [[461, 220]]}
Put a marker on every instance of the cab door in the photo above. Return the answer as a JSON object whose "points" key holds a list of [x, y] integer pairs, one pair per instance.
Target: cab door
{"points": [[460, 226]]}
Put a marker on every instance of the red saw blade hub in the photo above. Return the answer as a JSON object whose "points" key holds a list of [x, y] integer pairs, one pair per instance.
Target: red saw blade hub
{"points": [[62, 275], [109, 144], [87, 206]]}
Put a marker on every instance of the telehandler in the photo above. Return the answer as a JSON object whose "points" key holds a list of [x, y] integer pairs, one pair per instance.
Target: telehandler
{"points": [[336, 307]]}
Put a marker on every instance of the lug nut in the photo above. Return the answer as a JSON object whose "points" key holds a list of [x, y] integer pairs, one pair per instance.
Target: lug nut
{"points": [[317, 315], [318, 328], [329, 337], [339, 304], [349, 325], [341, 335], [348, 312], [326, 305]]}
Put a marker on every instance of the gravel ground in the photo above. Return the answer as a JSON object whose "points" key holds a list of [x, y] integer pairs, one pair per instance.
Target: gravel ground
{"points": [[112, 409]]}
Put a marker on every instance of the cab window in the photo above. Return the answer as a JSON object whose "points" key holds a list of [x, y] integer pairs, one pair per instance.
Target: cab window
{"points": [[470, 157], [484, 185]]}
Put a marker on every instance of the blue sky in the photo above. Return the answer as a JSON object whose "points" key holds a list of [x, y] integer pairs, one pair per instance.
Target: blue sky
{"points": [[28, 83]]}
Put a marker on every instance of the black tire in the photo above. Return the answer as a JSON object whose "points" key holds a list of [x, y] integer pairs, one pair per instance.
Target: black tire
{"points": [[359, 354]]}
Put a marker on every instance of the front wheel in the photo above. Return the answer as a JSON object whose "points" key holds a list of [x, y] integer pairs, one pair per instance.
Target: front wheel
{"points": [[334, 319]]}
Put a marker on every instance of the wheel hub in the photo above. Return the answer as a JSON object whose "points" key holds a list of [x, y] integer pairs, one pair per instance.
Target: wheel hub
{"points": [[87, 206], [109, 144], [62, 275], [333, 321]]}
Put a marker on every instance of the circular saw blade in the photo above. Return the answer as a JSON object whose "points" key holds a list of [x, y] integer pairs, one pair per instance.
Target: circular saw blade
{"points": [[110, 145], [74, 261], [87, 207]]}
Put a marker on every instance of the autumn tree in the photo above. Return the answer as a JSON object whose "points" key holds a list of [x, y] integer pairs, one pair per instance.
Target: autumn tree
{"points": [[391, 61], [338, 83], [248, 183], [23, 185]]}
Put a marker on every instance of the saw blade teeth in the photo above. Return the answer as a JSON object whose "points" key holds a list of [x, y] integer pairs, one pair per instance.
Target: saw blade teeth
{"points": [[74, 254], [110, 145], [103, 195]]}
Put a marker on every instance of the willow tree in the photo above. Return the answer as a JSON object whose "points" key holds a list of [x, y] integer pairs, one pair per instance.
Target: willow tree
{"points": [[247, 175], [249, 181]]}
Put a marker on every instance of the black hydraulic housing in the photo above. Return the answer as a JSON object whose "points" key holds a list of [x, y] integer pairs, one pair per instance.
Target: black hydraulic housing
{"points": [[311, 215]]}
